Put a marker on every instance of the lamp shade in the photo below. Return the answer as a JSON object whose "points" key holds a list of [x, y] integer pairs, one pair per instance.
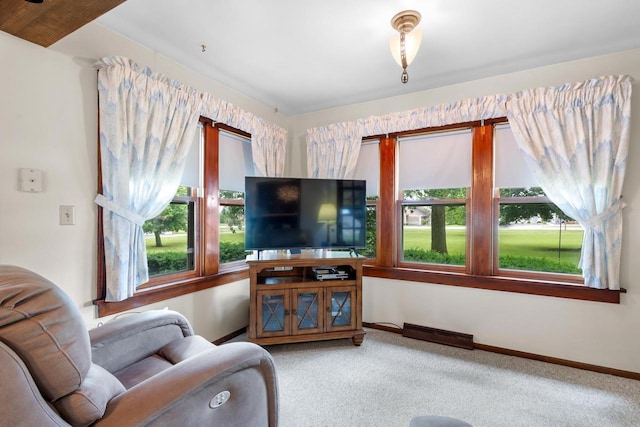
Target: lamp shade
{"points": [[327, 212], [412, 44]]}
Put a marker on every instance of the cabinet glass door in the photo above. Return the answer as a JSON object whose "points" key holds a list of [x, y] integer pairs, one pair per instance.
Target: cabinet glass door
{"points": [[340, 313], [273, 313], [306, 312]]}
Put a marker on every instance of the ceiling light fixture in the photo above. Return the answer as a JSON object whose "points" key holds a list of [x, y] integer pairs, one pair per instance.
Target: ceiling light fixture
{"points": [[404, 46]]}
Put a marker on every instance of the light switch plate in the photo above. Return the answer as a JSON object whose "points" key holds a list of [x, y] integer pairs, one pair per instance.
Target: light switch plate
{"points": [[67, 215]]}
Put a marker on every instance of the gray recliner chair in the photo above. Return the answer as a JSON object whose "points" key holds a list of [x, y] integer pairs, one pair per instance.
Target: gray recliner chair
{"points": [[141, 369]]}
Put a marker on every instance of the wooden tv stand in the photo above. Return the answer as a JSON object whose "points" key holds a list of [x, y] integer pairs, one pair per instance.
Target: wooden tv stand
{"points": [[288, 303]]}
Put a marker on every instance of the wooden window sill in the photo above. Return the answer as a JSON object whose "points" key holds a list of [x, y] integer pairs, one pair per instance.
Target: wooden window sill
{"points": [[497, 283], [171, 290]]}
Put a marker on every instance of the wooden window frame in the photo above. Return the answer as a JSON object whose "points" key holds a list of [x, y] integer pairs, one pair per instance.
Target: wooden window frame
{"points": [[480, 272], [182, 275], [482, 228], [209, 271]]}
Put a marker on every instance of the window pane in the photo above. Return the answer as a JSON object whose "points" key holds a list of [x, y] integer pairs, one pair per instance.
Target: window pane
{"points": [[538, 237], [370, 250], [236, 162], [434, 233], [231, 228], [169, 237]]}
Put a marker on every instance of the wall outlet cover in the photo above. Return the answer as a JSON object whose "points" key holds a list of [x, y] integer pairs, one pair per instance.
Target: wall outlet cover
{"points": [[30, 180]]}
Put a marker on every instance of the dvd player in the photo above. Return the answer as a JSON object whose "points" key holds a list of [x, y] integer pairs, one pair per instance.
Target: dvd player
{"points": [[329, 273]]}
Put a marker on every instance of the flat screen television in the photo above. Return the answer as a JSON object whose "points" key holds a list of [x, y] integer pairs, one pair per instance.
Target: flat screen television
{"points": [[304, 213]]}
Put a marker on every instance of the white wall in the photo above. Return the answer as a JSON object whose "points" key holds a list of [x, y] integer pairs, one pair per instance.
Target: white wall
{"points": [[596, 333], [48, 121]]}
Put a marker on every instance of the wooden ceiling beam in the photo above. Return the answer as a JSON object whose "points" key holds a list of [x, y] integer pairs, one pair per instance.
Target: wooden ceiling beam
{"points": [[46, 23]]}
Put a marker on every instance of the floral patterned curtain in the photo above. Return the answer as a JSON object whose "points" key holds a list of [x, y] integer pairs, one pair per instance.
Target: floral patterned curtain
{"points": [[268, 141], [575, 138], [147, 124], [268, 150], [332, 151], [466, 110]]}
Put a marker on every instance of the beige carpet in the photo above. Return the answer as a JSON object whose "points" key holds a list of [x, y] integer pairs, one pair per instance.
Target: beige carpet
{"points": [[390, 379]]}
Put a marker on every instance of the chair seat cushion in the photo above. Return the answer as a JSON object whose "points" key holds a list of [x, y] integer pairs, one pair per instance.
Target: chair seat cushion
{"points": [[169, 355], [142, 370]]}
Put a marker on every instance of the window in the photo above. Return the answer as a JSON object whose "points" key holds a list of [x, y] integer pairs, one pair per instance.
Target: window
{"points": [[434, 175], [170, 237], [533, 233], [434, 226], [494, 227], [198, 240], [368, 157], [236, 163]]}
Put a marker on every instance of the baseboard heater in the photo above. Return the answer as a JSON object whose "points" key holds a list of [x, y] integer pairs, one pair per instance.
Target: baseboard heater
{"points": [[439, 336]]}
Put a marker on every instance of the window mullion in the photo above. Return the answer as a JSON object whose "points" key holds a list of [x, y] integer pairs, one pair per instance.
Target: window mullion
{"points": [[386, 220], [211, 214], [482, 224]]}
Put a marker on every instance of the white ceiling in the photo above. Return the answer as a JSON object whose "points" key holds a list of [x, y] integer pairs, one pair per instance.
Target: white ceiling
{"points": [[306, 55]]}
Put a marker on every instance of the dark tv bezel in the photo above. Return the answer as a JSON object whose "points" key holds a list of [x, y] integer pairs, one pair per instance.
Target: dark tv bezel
{"points": [[305, 247]]}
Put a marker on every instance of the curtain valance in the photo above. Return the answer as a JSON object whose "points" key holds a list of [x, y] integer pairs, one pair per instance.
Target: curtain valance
{"points": [[466, 110], [332, 152]]}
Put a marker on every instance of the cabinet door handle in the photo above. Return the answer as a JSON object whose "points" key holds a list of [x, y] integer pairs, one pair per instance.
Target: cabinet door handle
{"points": [[294, 312], [286, 312]]}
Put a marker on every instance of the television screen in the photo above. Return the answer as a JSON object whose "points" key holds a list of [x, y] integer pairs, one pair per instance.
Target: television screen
{"points": [[297, 213]]}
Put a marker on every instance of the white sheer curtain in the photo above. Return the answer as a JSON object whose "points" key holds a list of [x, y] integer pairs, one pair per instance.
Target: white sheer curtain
{"points": [[575, 139], [147, 124], [332, 151]]}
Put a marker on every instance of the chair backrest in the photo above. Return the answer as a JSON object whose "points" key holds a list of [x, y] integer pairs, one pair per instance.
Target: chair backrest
{"points": [[43, 327], [40, 324]]}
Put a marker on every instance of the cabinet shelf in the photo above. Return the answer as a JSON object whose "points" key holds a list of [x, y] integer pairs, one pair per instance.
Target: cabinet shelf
{"points": [[289, 304]]}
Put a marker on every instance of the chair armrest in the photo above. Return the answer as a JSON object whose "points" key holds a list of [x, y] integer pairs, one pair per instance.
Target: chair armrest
{"points": [[133, 324], [183, 394], [126, 340]]}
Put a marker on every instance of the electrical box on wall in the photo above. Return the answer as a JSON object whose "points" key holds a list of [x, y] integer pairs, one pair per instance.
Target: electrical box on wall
{"points": [[30, 180]]}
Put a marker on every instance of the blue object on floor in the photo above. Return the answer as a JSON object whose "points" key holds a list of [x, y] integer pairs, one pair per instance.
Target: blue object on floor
{"points": [[437, 421]]}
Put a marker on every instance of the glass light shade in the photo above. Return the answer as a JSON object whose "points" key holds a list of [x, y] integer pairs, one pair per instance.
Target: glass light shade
{"points": [[412, 44]]}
